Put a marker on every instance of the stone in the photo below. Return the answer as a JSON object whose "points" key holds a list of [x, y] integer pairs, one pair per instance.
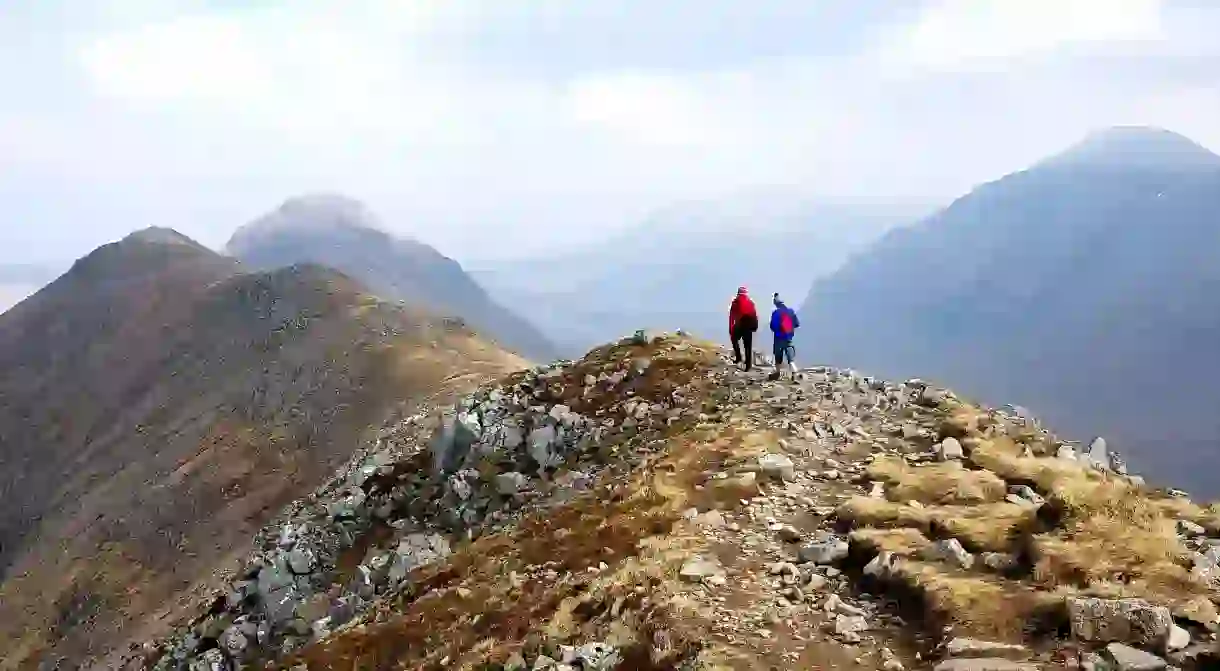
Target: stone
{"points": [[1066, 452], [280, 606], [1179, 638], [698, 569], [788, 534], [234, 641], [850, 624], [777, 467], [1130, 621], [1127, 658], [712, 519], [593, 657], [510, 483], [827, 551], [984, 664], [1199, 610], [949, 449], [414, 551], [1027, 494], [1190, 529], [999, 562], [880, 566], [541, 440], [301, 561], [274, 577], [932, 397], [973, 647], [950, 550], [1098, 454]]}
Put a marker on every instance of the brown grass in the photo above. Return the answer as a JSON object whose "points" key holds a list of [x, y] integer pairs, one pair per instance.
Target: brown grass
{"points": [[979, 605], [902, 542], [991, 527], [1097, 533], [941, 483], [1110, 533]]}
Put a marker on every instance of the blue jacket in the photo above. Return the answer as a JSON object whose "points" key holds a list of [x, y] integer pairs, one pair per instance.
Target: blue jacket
{"points": [[796, 323]]}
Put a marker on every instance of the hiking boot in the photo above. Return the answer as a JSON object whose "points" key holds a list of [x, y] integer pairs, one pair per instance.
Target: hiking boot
{"points": [[773, 376]]}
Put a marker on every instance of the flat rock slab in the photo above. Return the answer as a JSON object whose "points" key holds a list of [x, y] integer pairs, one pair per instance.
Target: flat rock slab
{"points": [[1127, 658], [984, 664], [973, 647]]}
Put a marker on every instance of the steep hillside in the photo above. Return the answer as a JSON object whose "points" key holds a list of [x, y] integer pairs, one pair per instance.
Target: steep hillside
{"points": [[682, 267], [1058, 288], [17, 281], [158, 403], [341, 233], [652, 507]]}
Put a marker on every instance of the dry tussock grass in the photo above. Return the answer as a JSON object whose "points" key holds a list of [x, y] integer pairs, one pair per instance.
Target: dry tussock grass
{"points": [[1003, 457], [1097, 533], [941, 483], [978, 605], [991, 527], [1112, 532], [904, 542], [962, 420]]}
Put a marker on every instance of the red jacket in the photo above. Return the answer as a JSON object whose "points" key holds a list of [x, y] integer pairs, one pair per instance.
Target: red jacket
{"points": [[742, 307]]}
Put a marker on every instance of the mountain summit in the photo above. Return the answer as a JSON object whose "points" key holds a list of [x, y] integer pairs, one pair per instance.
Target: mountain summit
{"points": [[342, 233], [1125, 147]]}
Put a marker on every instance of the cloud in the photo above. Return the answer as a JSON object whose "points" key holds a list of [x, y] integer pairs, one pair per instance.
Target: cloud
{"points": [[647, 108], [966, 34], [486, 126]]}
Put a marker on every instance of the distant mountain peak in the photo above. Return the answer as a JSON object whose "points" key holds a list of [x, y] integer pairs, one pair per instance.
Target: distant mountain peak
{"points": [[343, 209], [159, 235], [308, 213], [1136, 146]]}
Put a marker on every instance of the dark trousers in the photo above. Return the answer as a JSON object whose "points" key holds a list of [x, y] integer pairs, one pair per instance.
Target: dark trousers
{"points": [[744, 334]]}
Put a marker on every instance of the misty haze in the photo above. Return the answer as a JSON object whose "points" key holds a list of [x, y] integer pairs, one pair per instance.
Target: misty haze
{"points": [[518, 334]]}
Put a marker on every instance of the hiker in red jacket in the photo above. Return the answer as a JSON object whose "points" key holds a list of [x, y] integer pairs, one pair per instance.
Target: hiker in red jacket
{"points": [[743, 322]]}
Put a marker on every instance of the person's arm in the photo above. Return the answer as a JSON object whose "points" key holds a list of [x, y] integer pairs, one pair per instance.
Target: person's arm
{"points": [[734, 308], [775, 321], [796, 321]]}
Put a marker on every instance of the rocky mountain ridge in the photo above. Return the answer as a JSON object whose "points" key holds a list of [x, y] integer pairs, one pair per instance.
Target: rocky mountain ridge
{"points": [[650, 506], [159, 402]]}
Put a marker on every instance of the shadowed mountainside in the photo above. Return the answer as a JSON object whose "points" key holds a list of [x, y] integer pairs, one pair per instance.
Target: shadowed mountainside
{"points": [[1084, 288], [158, 403], [341, 233]]}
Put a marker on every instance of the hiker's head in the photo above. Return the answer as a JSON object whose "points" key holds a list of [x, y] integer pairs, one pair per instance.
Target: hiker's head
{"points": [[776, 299], [741, 291]]}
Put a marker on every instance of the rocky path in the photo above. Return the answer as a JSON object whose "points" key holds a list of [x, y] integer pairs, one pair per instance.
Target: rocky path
{"points": [[654, 507]]}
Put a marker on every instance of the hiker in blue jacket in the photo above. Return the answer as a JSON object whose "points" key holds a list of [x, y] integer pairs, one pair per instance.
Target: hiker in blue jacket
{"points": [[784, 323]]}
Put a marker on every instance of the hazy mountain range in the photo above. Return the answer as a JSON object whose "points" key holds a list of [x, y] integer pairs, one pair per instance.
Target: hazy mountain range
{"points": [[1086, 288], [682, 267]]}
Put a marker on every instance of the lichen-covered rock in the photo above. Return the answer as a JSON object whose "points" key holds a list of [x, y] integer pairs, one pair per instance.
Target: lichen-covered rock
{"points": [[1130, 621]]}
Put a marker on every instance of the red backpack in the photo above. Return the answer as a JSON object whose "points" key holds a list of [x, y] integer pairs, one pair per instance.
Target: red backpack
{"points": [[785, 323]]}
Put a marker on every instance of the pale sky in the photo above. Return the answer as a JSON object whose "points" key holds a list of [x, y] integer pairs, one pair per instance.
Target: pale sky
{"points": [[496, 127]]}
